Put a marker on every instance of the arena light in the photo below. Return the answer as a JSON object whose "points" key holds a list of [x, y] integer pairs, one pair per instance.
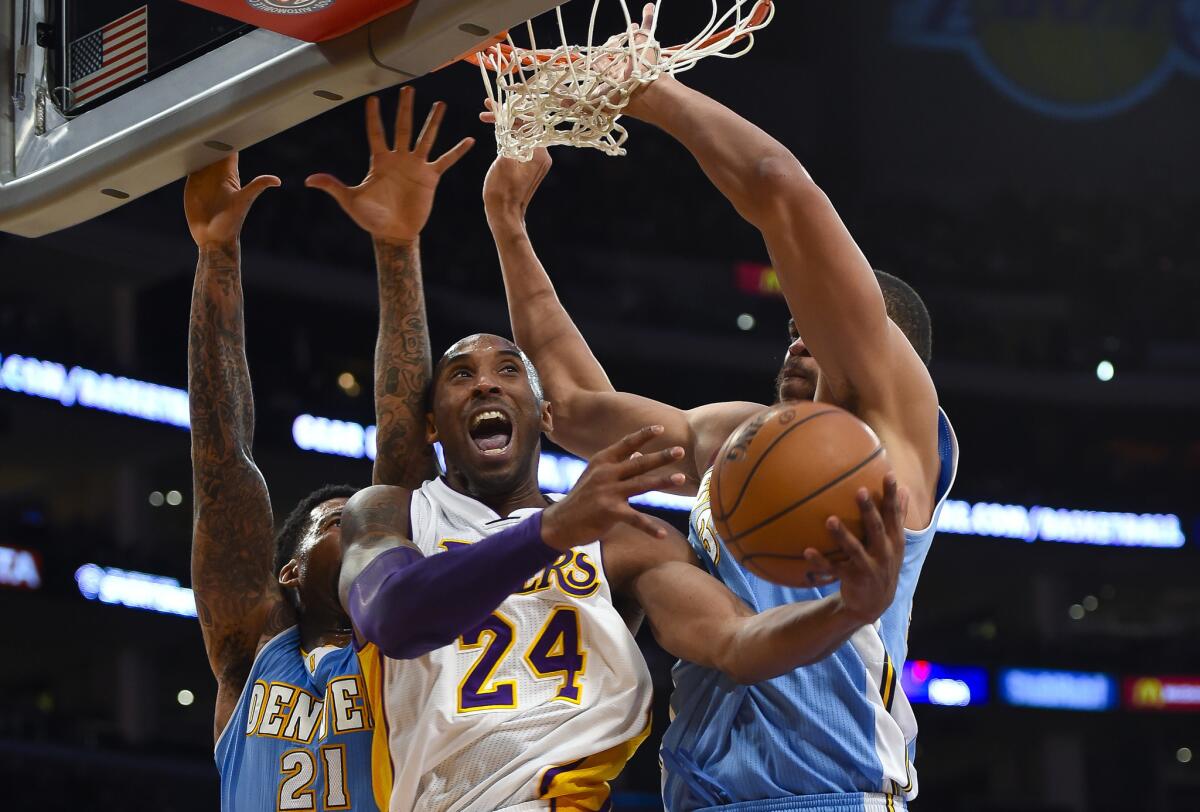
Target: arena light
{"points": [[136, 590], [948, 685], [1061, 525], [1158, 693], [20, 569], [343, 438], [1058, 690], [79, 386]]}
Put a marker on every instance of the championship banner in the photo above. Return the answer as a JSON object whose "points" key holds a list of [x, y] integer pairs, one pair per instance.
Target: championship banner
{"points": [[1149, 693]]}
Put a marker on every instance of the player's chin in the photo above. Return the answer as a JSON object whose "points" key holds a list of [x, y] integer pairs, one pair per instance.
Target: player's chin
{"points": [[794, 388]]}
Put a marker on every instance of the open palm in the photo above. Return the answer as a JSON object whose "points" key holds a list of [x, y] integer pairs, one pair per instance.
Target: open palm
{"points": [[394, 199]]}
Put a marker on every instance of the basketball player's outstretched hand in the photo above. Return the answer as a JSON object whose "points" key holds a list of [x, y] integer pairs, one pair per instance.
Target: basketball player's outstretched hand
{"points": [[394, 199], [215, 202], [510, 184], [600, 499], [868, 571]]}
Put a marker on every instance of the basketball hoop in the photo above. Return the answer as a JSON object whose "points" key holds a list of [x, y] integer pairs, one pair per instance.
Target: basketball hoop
{"points": [[575, 94]]}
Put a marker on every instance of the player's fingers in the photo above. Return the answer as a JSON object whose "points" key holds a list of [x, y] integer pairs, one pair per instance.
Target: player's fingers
{"points": [[875, 537], [893, 510], [487, 117], [820, 570], [648, 16], [328, 184], [642, 463], [644, 523], [651, 482], [429, 132], [846, 541], [404, 116], [453, 155], [256, 187], [376, 139], [624, 448]]}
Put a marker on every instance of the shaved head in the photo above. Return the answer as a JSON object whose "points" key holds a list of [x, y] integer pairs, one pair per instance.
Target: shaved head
{"points": [[489, 341]]}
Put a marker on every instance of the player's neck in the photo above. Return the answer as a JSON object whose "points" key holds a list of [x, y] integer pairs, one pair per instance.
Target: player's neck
{"points": [[503, 502], [317, 631]]}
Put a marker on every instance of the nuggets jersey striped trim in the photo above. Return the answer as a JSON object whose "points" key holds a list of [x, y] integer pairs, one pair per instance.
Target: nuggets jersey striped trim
{"points": [[300, 735], [835, 735], [538, 708]]}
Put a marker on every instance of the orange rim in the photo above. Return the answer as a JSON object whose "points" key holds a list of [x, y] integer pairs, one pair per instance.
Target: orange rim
{"points": [[507, 64]]}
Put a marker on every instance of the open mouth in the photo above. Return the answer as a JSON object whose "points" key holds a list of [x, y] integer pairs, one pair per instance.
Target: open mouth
{"points": [[491, 431]]}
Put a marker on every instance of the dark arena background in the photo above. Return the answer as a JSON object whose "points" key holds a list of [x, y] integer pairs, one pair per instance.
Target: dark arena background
{"points": [[1030, 168]]}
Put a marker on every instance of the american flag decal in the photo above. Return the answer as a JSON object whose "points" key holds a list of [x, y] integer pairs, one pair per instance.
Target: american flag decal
{"points": [[109, 57]]}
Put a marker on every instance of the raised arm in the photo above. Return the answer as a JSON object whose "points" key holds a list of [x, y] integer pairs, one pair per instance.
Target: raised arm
{"points": [[830, 287], [696, 618], [541, 325], [866, 362], [238, 599], [392, 204], [589, 414]]}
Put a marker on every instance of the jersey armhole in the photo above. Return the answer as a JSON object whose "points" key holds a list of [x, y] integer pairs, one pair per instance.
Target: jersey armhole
{"points": [[948, 458], [217, 748]]}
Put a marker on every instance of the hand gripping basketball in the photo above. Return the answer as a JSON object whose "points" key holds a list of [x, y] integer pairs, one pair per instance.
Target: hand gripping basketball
{"points": [[600, 499], [868, 570]]}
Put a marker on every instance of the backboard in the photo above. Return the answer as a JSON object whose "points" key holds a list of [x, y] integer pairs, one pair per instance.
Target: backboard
{"points": [[184, 100]]}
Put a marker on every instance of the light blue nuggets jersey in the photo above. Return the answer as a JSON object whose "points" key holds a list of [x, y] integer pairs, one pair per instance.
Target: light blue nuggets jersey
{"points": [[300, 736], [840, 731]]}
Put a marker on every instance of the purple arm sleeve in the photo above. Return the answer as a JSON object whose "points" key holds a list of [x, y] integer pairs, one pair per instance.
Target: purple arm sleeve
{"points": [[409, 605]]}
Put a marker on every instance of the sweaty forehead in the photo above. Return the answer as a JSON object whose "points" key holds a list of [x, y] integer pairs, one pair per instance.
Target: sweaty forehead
{"points": [[327, 507], [478, 344]]}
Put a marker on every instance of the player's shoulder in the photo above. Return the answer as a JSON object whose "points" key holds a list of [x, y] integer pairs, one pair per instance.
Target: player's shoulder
{"points": [[378, 504]]}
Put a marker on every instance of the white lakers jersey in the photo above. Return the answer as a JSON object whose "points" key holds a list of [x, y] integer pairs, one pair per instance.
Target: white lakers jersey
{"points": [[535, 709]]}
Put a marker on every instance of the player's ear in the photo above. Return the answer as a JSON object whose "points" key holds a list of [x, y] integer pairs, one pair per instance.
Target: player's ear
{"points": [[547, 417], [289, 576], [431, 432]]}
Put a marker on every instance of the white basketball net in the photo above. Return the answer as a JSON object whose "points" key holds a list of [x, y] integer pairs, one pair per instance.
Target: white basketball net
{"points": [[575, 94]]}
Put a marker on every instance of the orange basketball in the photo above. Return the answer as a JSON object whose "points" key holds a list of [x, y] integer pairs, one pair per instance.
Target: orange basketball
{"points": [[782, 474]]}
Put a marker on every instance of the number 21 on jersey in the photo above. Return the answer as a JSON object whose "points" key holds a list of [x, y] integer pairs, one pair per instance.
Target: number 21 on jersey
{"points": [[556, 653], [299, 769]]}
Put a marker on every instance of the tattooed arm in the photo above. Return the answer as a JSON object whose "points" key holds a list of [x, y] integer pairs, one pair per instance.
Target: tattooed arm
{"points": [[393, 204], [402, 367], [238, 598]]}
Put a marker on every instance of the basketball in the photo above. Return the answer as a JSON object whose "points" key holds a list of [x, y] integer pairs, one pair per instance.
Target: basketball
{"points": [[782, 474]]}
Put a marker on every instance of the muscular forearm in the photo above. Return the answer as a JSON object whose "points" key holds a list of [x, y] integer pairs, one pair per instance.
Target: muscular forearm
{"points": [[745, 163], [219, 394], [541, 325], [787, 637], [402, 367]]}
